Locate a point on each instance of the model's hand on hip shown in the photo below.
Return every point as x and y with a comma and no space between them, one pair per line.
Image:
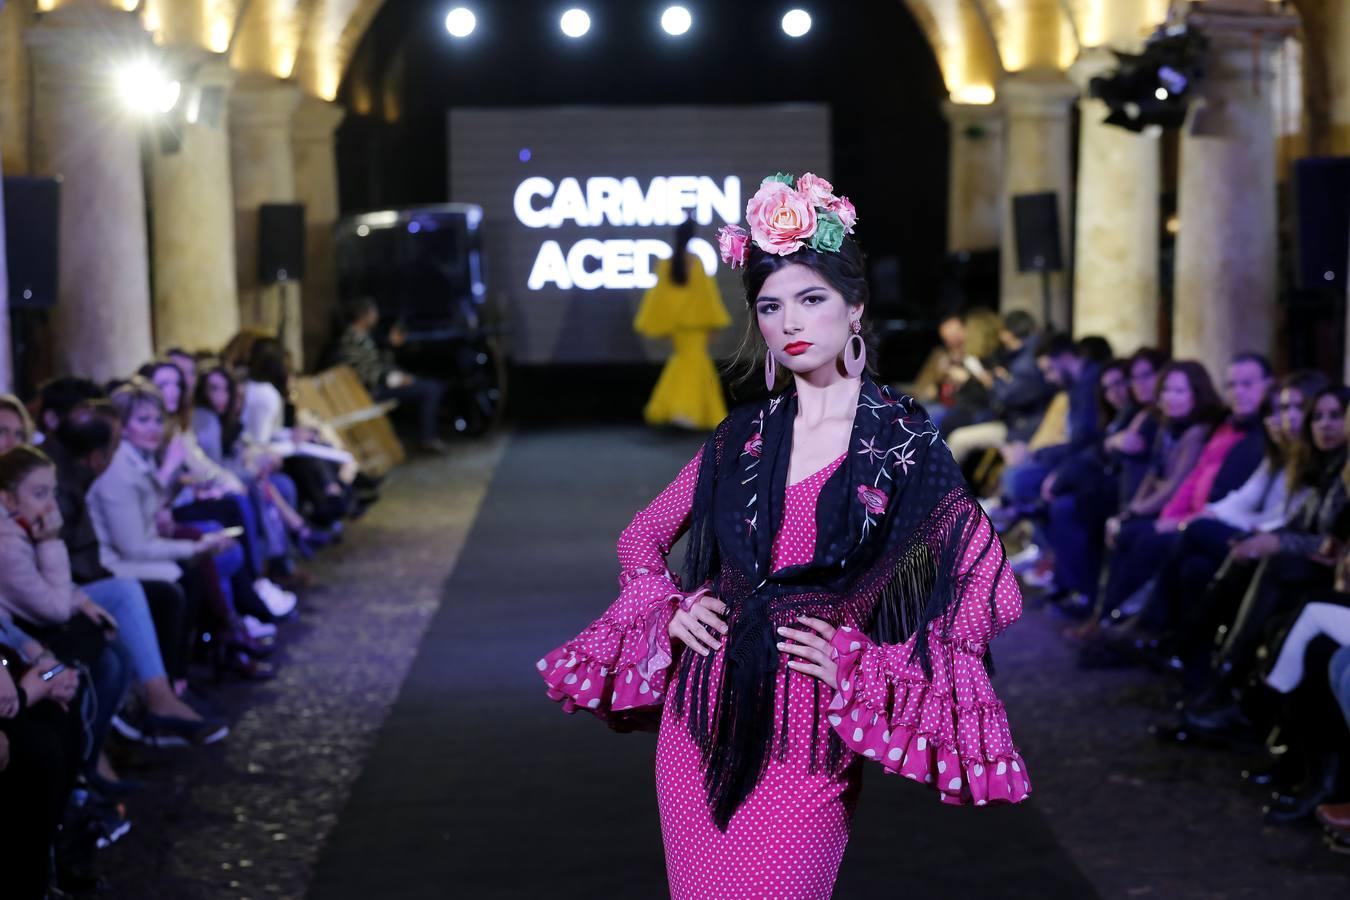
814,649
696,625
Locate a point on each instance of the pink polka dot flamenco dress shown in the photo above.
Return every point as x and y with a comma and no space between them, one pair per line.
938,724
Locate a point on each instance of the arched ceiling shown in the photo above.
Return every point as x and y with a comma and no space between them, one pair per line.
976,41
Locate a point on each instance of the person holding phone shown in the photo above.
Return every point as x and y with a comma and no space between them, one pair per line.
36,586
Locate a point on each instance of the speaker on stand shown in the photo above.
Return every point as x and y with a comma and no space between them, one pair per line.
32,211
1036,228
281,256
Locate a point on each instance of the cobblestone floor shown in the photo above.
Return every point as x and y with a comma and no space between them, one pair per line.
246,817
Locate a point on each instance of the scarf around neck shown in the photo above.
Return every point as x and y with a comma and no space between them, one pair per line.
894,521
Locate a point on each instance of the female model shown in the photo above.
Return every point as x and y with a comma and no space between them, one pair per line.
840,589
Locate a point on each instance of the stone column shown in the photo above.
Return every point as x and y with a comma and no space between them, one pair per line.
196,299
316,187
85,135
1115,291
264,172
15,16
6,363
1226,249
1037,160
974,199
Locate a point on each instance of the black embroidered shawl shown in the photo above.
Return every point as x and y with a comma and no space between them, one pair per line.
893,523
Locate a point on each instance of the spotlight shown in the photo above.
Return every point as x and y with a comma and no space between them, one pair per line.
1153,89
575,23
460,22
1161,93
676,20
144,88
796,22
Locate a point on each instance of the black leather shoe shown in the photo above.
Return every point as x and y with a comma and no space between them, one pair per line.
1319,788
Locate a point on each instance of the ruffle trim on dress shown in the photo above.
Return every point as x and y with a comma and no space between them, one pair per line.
963,771
632,672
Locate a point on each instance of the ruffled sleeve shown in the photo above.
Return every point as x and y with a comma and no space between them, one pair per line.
617,668
950,730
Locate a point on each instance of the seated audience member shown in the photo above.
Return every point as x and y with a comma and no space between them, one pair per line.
210,493
1266,576
1229,457
326,496
1017,388
1335,817
57,397
971,401
1190,409
934,386
40,738
15,425
125,504
36,587
382,378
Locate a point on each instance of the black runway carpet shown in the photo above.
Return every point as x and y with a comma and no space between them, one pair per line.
479,787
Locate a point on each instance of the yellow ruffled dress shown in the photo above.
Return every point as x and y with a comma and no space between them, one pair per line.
688,393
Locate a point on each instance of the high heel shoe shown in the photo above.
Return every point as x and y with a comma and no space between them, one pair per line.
236,662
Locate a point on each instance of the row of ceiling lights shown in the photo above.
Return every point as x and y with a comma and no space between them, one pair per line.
575,22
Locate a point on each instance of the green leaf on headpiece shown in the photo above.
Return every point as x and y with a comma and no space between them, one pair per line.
829,234
781,176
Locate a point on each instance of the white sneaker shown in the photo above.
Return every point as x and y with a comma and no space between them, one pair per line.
258,629
1023,561
279,602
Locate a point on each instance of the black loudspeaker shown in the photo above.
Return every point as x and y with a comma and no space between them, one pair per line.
1322,197
281,242
1036,224
32,226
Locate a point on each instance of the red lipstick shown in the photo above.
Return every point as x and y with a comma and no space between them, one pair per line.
797,348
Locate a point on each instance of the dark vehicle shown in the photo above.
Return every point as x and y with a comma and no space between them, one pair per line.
424,267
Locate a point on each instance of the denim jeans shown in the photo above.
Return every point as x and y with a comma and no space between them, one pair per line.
135,628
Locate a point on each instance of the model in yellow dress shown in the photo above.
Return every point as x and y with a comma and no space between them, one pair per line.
688,393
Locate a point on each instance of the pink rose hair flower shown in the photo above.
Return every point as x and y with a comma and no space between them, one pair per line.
733,244
843,208
781,219
816,189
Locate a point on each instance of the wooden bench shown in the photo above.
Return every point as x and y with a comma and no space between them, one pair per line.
338,399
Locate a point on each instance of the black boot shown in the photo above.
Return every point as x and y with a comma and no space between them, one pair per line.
1320,787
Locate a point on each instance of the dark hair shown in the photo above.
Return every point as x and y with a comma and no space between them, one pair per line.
229,420
679,259
267,362
1021,323
179,351
18,462
1105,412
181,415
358,308
844,270
1151,355
1307,382
1307,464
1208,408
1097,349
64,393
81,437
1256,359
1058,344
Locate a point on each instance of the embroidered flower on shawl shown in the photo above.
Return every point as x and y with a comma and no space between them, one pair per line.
755,445
904,460
870,449
872,498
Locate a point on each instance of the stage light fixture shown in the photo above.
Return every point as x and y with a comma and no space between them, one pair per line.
144,88
1161,93
460,22
1151,90
796,22
575,23
676,20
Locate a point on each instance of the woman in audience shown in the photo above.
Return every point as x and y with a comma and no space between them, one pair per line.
36,587
1190,408
211,493
40,738
216,420
126,503
16,427
264,419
